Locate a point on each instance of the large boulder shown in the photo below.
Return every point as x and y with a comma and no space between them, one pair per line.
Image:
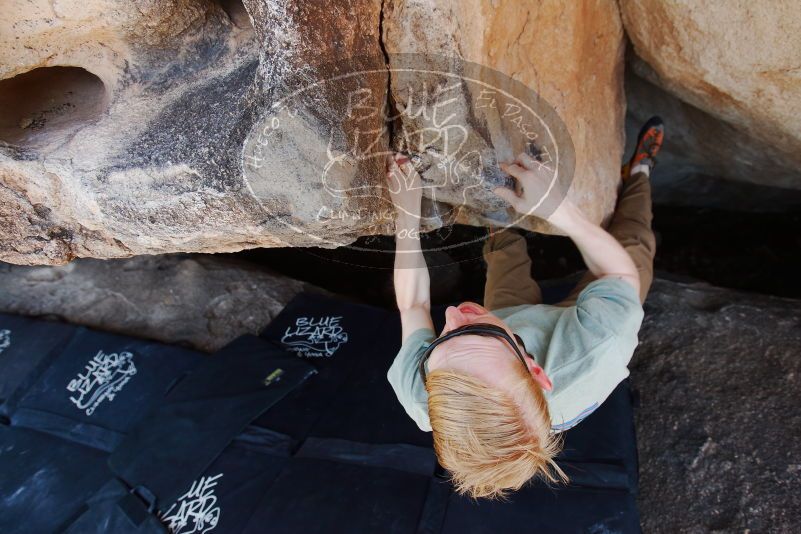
201,301
718,376
736,67
124,124
194,125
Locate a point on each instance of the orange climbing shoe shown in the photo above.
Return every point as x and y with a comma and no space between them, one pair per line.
649,141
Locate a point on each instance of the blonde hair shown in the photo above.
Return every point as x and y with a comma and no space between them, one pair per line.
491,441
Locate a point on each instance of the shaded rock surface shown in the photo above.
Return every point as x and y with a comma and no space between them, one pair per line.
706,162
718,423
149,127
201,301
736,66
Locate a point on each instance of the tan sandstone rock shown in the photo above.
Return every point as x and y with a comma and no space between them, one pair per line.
568,53
737,65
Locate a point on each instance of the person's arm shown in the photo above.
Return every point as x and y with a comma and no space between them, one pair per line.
412,289
602,253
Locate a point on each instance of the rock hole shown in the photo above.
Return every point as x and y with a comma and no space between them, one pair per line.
40,104
236,11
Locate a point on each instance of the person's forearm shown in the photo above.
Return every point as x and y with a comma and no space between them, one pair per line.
602,253
412,284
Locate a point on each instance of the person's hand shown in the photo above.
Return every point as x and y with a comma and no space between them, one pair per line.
532,180
405,188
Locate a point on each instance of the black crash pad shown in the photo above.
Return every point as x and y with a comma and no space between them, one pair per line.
166,462
25,346
352,347
44,480
99,385
355,402
336,453
53,447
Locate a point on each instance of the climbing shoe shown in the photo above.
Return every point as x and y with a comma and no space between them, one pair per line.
649,141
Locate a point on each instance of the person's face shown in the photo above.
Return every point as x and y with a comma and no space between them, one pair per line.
489,359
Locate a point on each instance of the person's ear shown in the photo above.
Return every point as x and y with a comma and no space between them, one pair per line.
539,375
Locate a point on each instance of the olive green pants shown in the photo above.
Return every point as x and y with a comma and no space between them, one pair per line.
509,281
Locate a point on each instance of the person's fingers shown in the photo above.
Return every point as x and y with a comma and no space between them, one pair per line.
514,169
395,159
509,196
527,161
394,177
408,173
392,167
401,175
